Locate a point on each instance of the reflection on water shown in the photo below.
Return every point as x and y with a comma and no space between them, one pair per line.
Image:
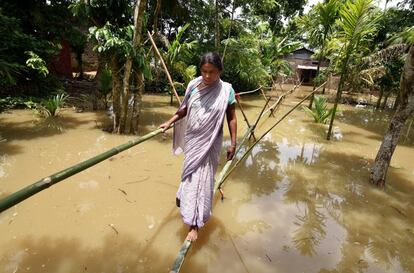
297,203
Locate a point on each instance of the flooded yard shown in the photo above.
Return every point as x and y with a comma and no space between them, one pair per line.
297,203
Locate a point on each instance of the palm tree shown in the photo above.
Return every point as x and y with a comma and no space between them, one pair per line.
357,24
319,24
404,111
321,112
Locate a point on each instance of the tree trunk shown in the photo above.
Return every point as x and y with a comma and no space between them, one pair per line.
404,111
136,109
327,84
217,26
233,9
101,66
155,30
156,13
80,64
385,100
124,98
396,102
314,85
116,90
344,71
318,67
380,98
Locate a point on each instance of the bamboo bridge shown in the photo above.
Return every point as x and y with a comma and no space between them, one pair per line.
228,168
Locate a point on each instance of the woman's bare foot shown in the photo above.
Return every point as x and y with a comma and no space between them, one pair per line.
192,234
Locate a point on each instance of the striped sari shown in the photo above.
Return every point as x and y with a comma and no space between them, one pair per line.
199,135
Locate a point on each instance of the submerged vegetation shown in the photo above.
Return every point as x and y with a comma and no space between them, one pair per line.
320,113
50,107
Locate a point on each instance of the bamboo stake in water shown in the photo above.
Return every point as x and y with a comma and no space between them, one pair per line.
165,68
48,181
245,117
266,98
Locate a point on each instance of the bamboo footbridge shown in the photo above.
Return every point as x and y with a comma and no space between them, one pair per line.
228,168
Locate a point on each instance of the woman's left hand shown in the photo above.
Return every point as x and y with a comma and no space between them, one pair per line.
230,152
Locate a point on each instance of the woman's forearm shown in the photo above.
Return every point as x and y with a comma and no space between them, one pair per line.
178,115
233,131
232,123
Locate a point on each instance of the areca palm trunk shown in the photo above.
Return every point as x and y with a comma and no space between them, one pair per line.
314,85
404,111
328,83
318,67
344,71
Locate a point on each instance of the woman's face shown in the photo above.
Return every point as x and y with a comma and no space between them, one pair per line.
209,73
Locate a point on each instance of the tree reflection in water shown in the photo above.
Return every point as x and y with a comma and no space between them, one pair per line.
327,185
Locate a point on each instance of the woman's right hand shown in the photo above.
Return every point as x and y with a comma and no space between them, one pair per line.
165,126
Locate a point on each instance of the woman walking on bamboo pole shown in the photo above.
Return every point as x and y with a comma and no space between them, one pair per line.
198,132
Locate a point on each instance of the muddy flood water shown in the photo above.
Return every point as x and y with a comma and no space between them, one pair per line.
297,203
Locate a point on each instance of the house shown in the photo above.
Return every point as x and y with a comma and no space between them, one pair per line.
303,65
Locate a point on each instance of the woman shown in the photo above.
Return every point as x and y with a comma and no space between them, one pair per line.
198,132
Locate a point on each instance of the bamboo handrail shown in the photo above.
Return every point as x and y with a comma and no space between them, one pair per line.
48,181
279,100
249,92
266,132
165,67
220,180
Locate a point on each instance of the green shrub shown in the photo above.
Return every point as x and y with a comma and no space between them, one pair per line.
50,107
320,113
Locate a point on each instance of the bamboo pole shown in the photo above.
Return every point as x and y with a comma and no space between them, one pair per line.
48,181
280,99
179,260
266,132
266,98
259,117
245,117
248,92
165,67
263,93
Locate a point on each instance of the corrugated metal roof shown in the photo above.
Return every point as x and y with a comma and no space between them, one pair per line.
307,67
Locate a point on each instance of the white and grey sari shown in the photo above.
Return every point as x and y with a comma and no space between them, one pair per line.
199,135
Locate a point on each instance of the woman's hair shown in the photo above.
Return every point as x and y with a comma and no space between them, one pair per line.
212,58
